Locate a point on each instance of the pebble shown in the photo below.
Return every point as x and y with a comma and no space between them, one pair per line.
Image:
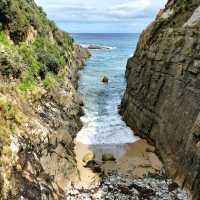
118,187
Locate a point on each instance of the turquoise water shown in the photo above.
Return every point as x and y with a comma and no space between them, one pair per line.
101,123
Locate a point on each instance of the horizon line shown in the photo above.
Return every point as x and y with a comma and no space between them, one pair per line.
103,33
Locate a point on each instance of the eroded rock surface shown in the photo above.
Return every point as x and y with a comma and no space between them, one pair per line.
39,107
162,99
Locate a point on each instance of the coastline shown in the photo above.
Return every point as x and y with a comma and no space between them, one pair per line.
136,159
136,174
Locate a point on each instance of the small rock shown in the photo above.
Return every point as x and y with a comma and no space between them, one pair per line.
81,103
125,190
74,192
92,164
98,195
105,188
173,186
105,79
92,191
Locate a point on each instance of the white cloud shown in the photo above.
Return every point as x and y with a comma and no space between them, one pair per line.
130,9
101,11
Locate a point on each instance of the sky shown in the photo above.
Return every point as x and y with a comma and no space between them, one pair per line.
102,16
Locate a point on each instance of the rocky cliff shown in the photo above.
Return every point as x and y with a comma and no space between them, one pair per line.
162,99
39,106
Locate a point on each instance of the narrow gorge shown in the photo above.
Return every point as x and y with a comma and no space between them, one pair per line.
73,127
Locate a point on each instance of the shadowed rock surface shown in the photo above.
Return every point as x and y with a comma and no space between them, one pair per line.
162,99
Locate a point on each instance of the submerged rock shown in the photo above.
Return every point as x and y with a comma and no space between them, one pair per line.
93,46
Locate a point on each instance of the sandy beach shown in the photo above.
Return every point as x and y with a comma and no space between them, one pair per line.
136,159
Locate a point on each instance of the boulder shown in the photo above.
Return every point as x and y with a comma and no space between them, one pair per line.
108,157
94,166
88,157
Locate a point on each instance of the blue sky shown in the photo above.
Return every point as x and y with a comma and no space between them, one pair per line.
102,16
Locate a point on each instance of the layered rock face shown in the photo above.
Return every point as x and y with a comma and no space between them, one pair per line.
39,105
162,99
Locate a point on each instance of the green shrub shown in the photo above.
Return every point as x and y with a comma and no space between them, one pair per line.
49,54
10,61
26,85
19,15
28,80
50,80
3,39
30,59
43,59
6,108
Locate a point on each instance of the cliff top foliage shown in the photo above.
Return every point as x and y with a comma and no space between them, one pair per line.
36,44
18,16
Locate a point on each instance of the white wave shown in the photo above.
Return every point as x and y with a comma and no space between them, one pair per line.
110,131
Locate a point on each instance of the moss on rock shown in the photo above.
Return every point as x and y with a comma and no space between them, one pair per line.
88,157
108,157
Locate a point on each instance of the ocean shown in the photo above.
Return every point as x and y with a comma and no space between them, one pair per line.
101,123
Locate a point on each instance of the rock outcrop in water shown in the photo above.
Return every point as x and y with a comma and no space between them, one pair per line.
162,99
39,106
105,79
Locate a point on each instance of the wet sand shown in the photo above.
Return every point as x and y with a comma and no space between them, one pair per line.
136,159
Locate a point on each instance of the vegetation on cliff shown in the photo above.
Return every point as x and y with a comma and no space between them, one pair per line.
39,107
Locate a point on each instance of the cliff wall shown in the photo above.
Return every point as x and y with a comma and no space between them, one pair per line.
39,105
162,99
